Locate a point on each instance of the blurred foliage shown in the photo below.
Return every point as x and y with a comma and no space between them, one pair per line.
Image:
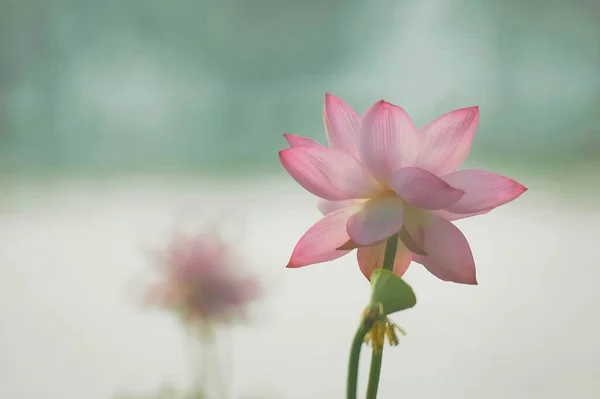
153,85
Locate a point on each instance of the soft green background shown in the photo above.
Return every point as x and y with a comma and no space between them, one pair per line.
138,85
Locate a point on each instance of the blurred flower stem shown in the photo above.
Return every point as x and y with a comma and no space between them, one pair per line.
192,350
207,377
371,316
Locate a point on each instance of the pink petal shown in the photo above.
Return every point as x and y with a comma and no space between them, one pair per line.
449,255
319,243
412,233
456,216
423,189
299,141
326,207
387,140
329,173
371,258
484,191
349,245
377,220
446,141
412,240
341,124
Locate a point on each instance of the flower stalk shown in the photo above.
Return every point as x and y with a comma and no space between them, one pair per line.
389,294
374,373
377,351
391,247
370,316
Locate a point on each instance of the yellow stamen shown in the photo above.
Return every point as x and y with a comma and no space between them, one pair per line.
381,329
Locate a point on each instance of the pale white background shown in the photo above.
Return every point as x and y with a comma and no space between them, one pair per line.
72,267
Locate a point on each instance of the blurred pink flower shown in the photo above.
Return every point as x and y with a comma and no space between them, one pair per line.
381,176
201,280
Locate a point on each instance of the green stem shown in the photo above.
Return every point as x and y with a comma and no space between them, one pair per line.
390,252
367,322
357,342
374,374
391,247
352,381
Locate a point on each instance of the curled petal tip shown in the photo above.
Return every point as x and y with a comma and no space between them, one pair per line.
281,154
330,97
523,188
475,109
294,262
387,104
468,280
384,104
462,280
348,246
520,190
300,141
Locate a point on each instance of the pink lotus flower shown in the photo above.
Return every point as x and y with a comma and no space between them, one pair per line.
381,176
201,280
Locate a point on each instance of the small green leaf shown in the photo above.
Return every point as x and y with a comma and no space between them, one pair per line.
391,292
